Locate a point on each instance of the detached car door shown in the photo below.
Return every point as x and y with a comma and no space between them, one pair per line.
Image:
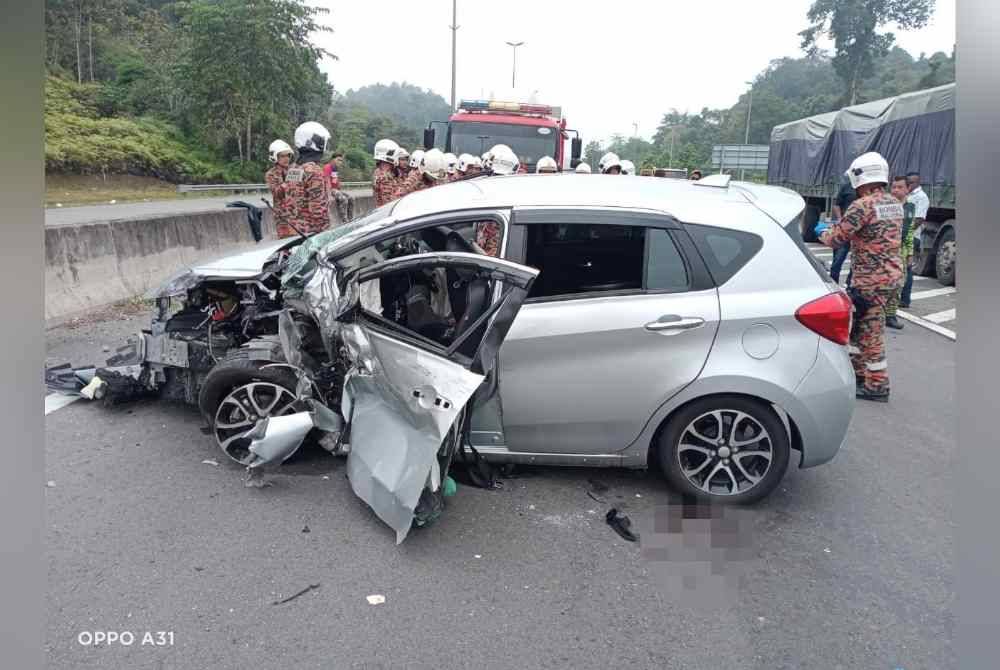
404,392
622,317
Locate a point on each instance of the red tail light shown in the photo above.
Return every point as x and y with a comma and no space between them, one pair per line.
830,316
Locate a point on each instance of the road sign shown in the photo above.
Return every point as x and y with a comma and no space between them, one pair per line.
740,156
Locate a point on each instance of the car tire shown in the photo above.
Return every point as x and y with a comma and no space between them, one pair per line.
923,263
236,369
755,475
945,261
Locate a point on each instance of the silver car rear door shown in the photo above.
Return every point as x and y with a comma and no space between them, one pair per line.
583,373
404,392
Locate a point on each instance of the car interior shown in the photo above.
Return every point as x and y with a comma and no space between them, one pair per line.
438,304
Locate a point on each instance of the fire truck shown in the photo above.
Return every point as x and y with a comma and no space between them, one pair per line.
530,130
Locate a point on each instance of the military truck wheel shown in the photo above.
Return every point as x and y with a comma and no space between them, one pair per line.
946,259
923,262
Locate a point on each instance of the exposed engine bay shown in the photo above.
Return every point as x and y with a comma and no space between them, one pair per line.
374,353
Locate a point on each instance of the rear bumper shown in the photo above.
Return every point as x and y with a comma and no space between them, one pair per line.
824,404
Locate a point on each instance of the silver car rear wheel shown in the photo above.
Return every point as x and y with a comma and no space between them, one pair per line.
725,452
728,449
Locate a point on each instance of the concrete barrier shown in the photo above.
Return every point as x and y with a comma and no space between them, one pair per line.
95,264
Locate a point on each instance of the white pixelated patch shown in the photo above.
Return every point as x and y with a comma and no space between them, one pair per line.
893,211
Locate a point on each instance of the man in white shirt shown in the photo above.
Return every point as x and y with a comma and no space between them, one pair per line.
921,203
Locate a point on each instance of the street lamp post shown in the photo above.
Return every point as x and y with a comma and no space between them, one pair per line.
513,71
746,138
454,34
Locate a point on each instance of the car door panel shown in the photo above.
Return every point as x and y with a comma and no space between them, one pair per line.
584,375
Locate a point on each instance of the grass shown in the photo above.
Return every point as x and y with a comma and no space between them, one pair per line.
73,190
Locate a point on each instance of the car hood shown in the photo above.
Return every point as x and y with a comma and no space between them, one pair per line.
246,265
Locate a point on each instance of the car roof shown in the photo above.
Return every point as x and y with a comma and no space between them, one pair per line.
683,199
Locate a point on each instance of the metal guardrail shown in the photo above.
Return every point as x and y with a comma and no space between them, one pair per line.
243,188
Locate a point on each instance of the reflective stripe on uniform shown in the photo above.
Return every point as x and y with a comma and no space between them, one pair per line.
881,365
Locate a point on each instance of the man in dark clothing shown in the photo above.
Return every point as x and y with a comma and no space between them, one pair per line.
845,197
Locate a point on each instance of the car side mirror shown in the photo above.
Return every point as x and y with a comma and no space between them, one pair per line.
428,139
576,151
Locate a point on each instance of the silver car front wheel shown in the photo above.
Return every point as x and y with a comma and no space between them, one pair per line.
241,410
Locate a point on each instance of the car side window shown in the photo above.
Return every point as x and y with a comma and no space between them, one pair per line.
665,267
585,258
725,251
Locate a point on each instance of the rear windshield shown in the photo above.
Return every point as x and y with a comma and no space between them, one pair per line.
794,230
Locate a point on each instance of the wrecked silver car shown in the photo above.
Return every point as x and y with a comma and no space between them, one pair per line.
375,348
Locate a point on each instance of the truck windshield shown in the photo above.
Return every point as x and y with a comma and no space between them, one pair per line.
529,142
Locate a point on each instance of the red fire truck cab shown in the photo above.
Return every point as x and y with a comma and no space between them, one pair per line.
531,130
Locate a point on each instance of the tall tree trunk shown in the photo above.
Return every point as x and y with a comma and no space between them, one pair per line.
79,27
90,45
249,144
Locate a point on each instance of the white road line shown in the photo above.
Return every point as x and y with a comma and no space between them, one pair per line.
933,293
941,317
929,325
54,401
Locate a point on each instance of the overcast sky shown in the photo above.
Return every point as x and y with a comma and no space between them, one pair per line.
608,64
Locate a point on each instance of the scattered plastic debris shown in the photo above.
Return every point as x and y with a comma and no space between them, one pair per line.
621,524
326,476
638,495
531,507
478,555
51,484
111,202
827,550
210,461
596,497
105,348
450,487
375,599
305,529
93,389
295,595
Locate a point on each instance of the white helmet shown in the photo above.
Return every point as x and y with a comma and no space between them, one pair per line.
416,157
583,168
433,164
451,163
465,161
402,157
503,160
628,167
546,164
478,162
277,148
486,159
869,168
608,161
311,136
385,151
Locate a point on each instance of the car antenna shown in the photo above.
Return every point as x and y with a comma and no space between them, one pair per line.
290,224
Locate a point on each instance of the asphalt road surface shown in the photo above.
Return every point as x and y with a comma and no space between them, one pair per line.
66,216
846,566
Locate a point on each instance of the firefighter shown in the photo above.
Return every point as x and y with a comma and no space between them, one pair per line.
546,165
402,163
583,168
610,164
431,172
503,160
628,168
872,225
487,157
306,186
384,180
451,166
465,161
281,154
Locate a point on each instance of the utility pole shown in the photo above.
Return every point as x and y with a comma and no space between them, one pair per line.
513,72
746,139
454,35
673,133
635,129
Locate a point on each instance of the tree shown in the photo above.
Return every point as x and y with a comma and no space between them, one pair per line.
250,62
592,154
853,25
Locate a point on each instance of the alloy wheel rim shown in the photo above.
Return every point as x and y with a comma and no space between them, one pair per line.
242,410
725,452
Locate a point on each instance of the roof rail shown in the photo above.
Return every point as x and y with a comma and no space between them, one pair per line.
715,180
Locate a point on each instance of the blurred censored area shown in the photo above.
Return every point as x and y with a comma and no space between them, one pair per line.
701,554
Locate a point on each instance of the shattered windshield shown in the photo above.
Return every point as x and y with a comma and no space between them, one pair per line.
299,263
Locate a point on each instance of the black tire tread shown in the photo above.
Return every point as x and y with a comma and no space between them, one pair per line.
235,369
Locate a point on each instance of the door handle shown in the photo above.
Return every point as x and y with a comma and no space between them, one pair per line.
673,322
